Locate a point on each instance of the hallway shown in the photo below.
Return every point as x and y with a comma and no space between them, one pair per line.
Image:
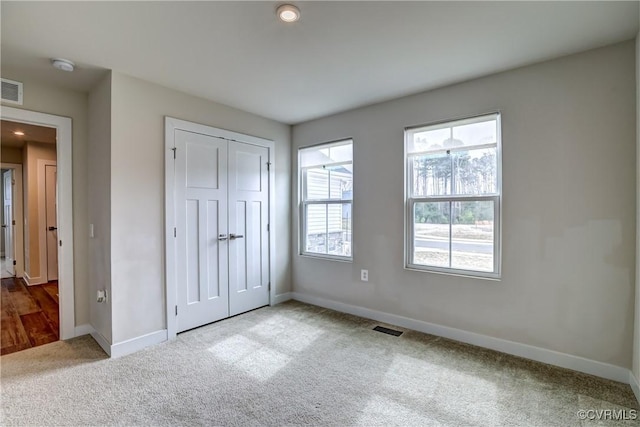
29,315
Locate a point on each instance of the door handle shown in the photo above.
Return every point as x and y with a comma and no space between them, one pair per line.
53,228
4,225
222,237
235,236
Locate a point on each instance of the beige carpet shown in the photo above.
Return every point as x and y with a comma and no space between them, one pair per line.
296,364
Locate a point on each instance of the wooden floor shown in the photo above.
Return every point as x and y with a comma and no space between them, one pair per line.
29,315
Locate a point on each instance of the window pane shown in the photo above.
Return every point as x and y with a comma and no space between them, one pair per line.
329,229
316,220
475,133
431,234
341,153
429,141
475,172
432,175
314,157
339,232
325,184
317,184
341,184
472,235
327,154
460,133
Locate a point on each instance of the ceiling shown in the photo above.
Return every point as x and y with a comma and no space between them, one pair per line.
339,56
32,133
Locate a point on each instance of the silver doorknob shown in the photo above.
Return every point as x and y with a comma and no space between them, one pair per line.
235,236
222,237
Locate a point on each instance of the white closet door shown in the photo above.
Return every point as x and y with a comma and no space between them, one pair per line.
201,229
248,233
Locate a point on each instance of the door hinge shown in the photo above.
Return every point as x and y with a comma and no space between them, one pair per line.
269,286
176,310
268,228
14,262
268,166
13,222
60,242
174,149
175,232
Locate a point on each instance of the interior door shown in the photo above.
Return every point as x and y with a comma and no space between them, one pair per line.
248,227
7,226
201,229
51,208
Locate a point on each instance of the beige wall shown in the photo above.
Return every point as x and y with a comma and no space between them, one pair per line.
568,235
99,200
137,194
33,152
11,155
45,98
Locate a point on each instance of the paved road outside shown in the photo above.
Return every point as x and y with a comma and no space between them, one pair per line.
456,246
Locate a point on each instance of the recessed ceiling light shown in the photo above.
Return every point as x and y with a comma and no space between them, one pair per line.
19,133
288,13
63,64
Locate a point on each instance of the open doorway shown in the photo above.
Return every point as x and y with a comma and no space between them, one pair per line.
30,292
11,218
63,207
7,267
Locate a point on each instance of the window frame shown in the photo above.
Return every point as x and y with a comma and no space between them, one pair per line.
304,204
410,200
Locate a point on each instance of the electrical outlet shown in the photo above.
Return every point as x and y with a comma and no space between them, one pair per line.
102,295
364,275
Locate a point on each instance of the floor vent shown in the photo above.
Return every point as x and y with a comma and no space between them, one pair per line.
388,331
11,91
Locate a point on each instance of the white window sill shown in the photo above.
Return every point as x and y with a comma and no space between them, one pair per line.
457,273
327,257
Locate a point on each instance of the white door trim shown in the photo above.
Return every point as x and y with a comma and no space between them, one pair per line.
65,207
18,232
171,125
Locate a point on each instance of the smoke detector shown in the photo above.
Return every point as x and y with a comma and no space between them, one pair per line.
63,64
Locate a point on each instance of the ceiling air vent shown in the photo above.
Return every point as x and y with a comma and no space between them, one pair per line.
11,91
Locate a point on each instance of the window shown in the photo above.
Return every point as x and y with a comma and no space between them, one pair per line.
453,191
326,174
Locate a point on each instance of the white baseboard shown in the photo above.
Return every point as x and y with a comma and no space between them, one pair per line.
635,385
81,330
563,360
130,346
102,341
282,298
30,281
